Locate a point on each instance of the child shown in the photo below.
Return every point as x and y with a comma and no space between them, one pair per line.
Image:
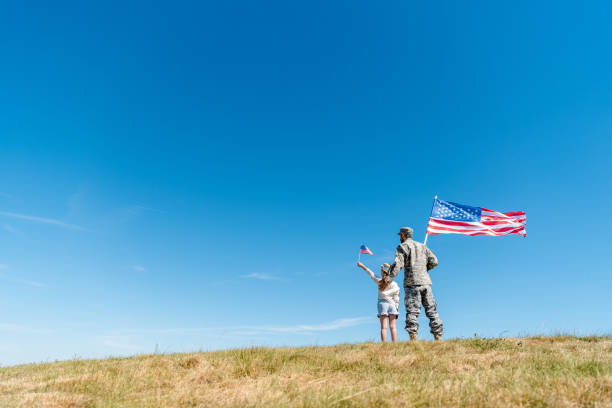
388,301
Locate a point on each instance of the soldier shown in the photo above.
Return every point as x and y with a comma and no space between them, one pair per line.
417,260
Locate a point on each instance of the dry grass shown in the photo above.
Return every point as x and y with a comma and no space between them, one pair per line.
536,371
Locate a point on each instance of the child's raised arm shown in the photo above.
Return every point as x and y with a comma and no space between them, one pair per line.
369,272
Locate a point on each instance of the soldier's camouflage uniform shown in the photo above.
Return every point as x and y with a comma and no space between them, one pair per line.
417,260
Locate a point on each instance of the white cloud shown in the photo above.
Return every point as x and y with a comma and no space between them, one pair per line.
23,281
137,210
41,220
10,229
120,342
261,276
333,325
143,208
139,268
15,328
6,278
30,283
237,330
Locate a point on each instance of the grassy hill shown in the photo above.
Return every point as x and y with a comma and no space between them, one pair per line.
535,371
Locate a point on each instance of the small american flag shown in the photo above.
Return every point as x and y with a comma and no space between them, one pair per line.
365,250
453,218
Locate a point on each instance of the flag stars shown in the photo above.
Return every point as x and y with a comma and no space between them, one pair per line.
455,212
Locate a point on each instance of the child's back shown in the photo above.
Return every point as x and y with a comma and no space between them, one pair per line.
390,293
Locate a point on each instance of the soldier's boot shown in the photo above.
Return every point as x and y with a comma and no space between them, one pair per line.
437,337
412,336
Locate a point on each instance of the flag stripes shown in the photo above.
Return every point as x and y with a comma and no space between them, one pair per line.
489,222
365,250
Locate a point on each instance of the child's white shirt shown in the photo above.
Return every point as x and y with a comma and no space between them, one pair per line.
391,292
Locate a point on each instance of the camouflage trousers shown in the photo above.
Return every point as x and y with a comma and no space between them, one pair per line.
414,297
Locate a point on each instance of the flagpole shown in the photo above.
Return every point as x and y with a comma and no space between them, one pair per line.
427,233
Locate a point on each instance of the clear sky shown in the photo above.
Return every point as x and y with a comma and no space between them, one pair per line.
199,175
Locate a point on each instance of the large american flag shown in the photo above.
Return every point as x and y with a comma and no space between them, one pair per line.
453,218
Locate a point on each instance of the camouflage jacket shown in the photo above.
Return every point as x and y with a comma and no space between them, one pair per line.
416,259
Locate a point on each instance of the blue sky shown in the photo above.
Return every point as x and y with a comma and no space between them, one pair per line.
200,175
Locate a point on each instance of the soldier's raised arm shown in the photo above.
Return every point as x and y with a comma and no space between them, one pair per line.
397,266
432,260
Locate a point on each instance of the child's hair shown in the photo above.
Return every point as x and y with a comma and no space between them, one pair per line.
385,270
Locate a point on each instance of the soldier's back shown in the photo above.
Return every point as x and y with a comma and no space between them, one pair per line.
416,263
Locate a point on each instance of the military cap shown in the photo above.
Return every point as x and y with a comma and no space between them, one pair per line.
406,230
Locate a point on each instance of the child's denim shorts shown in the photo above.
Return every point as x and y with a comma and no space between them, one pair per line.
386,309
